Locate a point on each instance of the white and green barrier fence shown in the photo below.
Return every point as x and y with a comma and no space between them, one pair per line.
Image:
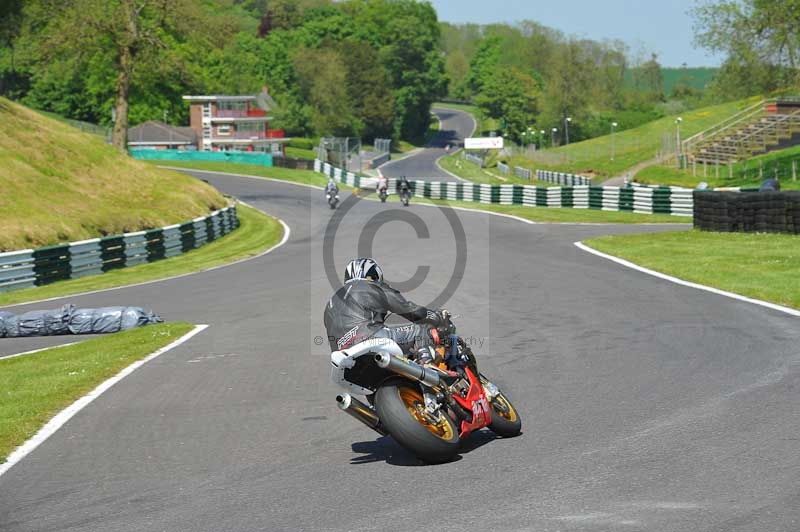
561,178
644,200
36,267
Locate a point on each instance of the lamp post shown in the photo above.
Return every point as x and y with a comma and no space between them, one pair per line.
567,120
678,134
553,136
524,139
613,125
541,138
529,136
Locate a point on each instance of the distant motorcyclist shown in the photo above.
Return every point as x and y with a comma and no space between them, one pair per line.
383,184
357,310
402,185
332,187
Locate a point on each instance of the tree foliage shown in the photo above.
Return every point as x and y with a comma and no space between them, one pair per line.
369,68
761,41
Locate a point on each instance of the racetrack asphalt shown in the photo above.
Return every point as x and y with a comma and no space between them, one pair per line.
646,405
455,125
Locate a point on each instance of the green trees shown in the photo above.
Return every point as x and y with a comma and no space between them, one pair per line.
358,67
90,59
368,68
760,38
530,76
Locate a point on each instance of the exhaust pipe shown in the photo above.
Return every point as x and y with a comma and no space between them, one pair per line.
360,411
407,368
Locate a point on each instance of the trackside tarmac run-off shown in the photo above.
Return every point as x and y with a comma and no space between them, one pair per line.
647,405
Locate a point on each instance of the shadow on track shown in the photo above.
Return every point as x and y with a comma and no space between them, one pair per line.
387,450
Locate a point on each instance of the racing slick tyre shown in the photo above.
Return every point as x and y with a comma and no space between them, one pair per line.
401,408
506,422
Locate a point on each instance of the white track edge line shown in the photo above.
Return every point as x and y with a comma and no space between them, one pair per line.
676,280
62,417
13,355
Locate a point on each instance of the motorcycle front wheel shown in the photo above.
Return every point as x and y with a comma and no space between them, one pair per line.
506,422
401,408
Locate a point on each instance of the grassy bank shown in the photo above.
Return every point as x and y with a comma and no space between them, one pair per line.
613,154
257,233
750,173
308,177
62,185
37,386
761,266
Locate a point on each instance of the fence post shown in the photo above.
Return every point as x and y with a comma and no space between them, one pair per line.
730,169
760,169
794,169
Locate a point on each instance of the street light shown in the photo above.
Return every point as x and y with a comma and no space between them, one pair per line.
553,136
613,125
528,137
541,138
567,120
678,134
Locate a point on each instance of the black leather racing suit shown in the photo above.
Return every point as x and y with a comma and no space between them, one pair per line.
357,311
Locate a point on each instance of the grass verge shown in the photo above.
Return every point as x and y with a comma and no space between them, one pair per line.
309,177
257,233
562,215
758,265
38,386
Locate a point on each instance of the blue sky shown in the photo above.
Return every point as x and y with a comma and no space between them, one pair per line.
660,26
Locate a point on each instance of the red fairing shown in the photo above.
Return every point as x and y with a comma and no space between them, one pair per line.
475,402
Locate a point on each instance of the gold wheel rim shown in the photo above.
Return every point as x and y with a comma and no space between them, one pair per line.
503,408
415,403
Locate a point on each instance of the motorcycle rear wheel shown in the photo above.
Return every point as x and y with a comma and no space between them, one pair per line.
401,406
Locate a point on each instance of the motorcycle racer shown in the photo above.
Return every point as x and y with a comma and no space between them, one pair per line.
332,187
357,311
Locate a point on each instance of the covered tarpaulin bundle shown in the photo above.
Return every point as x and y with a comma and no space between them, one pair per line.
71,320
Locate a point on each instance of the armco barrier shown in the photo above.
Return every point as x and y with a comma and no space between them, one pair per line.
560,178
646,200
37,267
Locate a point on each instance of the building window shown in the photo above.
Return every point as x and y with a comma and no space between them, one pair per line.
224,130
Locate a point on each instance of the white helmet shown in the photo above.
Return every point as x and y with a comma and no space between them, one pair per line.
363,268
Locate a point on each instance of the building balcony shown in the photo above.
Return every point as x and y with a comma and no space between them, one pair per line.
251,135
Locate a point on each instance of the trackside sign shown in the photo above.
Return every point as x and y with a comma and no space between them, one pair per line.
483,143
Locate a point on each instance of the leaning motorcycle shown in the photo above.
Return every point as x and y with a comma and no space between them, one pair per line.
429,410
405,195
382,194
333,200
